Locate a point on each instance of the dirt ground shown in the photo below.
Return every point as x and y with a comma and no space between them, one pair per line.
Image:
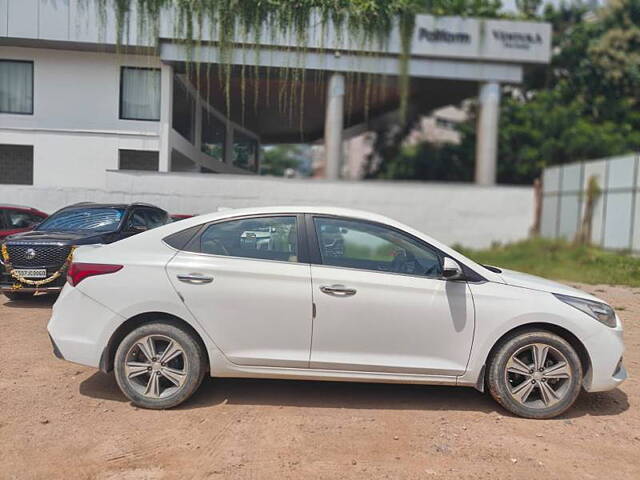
59,420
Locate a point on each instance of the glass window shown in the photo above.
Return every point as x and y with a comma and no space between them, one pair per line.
139,160
146,218
16,87
16,164
268,238
245,151
20,219
140,94
365,246
98,219
156,218
184,111
214,131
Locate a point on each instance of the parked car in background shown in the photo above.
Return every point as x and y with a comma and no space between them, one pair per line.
39,258
175,217
242,293
16,219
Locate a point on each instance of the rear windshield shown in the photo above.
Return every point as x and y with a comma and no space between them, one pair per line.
95,219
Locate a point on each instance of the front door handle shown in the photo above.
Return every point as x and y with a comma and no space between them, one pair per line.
194,278
338,290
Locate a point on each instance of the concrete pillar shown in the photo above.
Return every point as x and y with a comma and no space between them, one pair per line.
197,137
487,133
228,144
166,116
333,126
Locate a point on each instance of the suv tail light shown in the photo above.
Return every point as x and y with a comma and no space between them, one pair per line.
79,271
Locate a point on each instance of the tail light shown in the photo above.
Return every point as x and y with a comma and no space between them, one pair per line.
79,271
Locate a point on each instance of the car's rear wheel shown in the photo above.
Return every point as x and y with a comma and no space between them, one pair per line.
159,365
535,374
17,296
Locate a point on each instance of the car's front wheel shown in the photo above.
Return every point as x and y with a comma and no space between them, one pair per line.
159,365
535,374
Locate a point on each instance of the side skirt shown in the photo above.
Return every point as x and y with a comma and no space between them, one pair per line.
236,371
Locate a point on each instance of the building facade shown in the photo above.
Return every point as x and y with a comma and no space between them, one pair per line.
74,106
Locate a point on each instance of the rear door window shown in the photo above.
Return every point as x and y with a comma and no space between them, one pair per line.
265,238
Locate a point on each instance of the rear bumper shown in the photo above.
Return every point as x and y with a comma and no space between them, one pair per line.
56,350
80,327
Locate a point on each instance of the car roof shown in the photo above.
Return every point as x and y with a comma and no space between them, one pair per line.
142,240
22,207
109,205
292,209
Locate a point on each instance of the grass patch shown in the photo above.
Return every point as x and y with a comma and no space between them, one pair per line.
562,260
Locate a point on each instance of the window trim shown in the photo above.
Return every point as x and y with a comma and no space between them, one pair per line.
33,88
120,100
193,245
316,258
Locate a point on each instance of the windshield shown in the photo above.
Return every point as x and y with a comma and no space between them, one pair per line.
96,219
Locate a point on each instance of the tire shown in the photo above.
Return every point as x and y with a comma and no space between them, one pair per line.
18,296
154,383
516,382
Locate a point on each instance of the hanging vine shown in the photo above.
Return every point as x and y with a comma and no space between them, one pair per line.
243,22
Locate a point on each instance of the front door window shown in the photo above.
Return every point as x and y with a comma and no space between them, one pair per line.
367,246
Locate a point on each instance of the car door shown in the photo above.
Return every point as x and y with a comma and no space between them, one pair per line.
381,304
246,281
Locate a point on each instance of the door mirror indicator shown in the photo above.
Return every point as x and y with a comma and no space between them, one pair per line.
451,270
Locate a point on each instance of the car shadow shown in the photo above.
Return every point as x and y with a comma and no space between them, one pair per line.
37,301
599,404
102,386
320,394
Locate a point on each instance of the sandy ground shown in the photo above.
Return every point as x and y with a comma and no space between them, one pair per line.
59,420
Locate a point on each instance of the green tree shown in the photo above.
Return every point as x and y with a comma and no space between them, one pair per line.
279,158
584,105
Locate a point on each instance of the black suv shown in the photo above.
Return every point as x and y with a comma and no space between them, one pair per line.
42,253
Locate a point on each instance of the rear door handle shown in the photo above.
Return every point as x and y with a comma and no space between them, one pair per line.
338,290
194,278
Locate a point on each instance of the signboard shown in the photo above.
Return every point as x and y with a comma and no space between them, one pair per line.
500,40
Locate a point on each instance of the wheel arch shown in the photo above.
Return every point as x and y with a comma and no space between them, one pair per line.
129,325
562,332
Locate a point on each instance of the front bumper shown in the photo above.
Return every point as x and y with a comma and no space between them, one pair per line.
605,351
7,288
7,283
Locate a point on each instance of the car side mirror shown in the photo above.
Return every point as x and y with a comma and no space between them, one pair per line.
451,270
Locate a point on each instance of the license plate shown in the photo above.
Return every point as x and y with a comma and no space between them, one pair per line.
31,272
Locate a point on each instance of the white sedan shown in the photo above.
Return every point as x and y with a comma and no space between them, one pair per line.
327,294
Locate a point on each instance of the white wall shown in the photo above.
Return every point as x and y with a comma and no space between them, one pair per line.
75,128
453,213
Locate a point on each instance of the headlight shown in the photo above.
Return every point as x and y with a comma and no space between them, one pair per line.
597,310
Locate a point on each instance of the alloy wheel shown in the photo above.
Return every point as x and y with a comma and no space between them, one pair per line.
538,376
156,366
